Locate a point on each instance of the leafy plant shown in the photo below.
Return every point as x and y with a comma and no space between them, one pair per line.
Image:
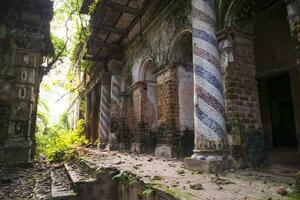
57,144
93,6
125,178
149,192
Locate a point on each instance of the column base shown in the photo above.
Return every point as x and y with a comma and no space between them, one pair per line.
208,164
102,145
15,152
135,148
163,150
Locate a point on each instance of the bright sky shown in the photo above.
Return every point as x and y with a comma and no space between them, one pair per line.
60,74
51,97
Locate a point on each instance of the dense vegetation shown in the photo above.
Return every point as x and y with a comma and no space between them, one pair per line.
69,31
56,142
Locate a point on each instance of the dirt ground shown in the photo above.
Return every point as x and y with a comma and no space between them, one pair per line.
19,182
232,184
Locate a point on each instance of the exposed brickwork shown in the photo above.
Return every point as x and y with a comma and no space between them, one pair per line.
242,103
168,108
139,94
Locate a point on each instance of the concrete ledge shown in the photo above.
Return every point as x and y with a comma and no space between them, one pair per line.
208,166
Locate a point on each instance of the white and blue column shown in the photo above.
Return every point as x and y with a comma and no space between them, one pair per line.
209,101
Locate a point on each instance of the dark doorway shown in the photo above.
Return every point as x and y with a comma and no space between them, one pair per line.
281,111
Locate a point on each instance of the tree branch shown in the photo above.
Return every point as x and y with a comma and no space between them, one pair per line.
50,65
73,90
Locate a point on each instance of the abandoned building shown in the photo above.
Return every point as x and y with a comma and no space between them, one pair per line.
181,99
193,79
24,41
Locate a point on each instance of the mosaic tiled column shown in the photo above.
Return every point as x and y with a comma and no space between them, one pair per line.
115,111
293,12
210,127
115,88
105,114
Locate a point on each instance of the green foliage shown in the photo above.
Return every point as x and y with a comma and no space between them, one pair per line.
63,120
149,192
59,46
125,178
93,6
57,144
42,116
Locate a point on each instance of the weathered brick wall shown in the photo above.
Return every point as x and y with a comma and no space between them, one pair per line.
295,88
168,108
241,93
139,94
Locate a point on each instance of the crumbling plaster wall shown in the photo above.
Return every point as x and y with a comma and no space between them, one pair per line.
154,44
156,41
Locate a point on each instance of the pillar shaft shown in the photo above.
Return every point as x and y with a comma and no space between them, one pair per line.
115,88
209,102
105,114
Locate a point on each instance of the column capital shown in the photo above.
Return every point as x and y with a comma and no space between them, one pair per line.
115,66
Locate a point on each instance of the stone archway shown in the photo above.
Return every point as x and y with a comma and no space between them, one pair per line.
149,106
181,58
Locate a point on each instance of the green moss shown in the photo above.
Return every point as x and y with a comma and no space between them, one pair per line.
157,178
293,197
197,171
175,192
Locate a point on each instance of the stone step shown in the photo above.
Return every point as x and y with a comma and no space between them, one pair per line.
79,173
61,185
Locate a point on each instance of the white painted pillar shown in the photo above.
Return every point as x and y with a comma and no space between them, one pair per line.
209,101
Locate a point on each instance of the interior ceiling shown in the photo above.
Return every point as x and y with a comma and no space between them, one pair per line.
110,24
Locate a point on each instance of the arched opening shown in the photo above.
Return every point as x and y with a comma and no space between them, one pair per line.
148,77
181,56
181,51
275,60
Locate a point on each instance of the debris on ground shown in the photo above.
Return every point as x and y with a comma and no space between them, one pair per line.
25,182
197,186
282,191
221,181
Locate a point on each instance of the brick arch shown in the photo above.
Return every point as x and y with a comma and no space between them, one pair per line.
147,69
